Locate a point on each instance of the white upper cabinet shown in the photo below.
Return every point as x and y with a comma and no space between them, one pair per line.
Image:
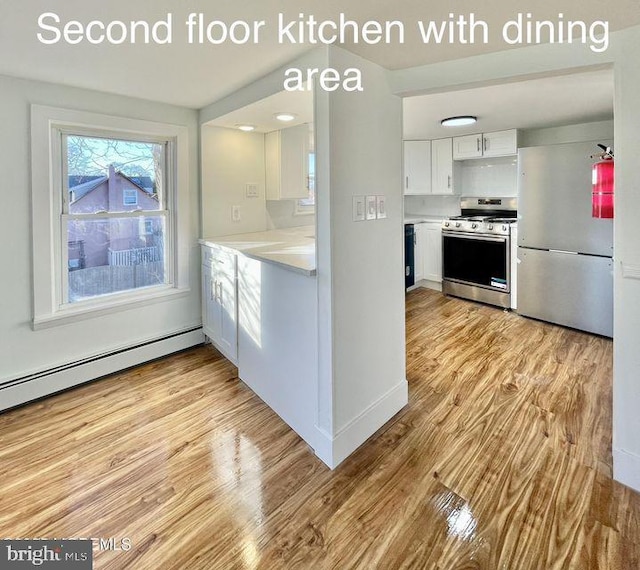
287,163
498,143
469,146
442,166
428,167
417,167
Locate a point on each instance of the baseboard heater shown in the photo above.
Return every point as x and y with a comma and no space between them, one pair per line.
19,391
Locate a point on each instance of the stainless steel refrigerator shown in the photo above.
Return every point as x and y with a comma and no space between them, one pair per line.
565,256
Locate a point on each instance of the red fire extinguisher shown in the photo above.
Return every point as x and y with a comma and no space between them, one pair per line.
602,180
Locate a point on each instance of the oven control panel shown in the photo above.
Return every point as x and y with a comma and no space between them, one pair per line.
477,226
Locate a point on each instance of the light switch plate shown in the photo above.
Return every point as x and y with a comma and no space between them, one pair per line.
251,190
371,212
358,208
381,207
235,213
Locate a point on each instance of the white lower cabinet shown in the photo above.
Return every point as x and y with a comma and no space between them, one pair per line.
428,253
419,251
219,300
433,252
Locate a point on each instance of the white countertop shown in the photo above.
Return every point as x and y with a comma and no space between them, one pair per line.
292,248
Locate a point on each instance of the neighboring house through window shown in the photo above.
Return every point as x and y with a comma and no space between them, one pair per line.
110,201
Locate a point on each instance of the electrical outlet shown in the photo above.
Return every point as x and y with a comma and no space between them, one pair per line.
251,190
358,208
381,207
372,208
235,213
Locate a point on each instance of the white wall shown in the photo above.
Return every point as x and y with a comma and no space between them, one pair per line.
22,350
231,159
368,338
567,134
523,63
626,318
361,351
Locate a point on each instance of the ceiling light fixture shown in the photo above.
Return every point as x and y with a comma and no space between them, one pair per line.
458,121
285,117
246,128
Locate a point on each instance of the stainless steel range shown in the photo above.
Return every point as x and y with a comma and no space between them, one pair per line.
476,250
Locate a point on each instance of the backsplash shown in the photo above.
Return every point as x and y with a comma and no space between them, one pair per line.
432,205
489,177
281,214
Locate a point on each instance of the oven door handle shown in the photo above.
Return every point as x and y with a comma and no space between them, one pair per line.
475,236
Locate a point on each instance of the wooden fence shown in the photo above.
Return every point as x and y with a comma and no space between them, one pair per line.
93,281
134,256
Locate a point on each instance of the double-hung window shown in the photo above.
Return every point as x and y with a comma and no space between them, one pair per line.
105,195
116,215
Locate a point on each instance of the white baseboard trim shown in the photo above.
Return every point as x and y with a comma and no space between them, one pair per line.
45,384
435,285
626,468
365,424
324,447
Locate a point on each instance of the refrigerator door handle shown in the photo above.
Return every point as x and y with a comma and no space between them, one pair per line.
563,251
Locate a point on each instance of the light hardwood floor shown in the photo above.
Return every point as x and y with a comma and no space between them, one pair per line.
502,460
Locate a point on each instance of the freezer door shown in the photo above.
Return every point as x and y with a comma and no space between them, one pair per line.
554,200
571,290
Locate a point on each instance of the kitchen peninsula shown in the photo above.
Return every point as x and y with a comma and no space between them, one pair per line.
260,310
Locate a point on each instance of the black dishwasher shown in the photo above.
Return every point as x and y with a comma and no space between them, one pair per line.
409,252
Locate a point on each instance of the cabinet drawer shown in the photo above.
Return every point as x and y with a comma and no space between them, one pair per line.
212,255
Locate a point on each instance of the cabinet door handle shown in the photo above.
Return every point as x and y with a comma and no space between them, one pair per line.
478,144
449,181
212,289
486,144
220,292
406,182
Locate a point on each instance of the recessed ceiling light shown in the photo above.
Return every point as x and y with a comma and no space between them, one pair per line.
246,128
285,117
458,121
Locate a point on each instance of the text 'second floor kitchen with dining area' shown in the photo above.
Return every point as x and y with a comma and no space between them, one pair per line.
501,460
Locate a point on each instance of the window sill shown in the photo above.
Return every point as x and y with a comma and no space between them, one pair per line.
90,309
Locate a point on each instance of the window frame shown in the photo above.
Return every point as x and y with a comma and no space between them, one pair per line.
50,271
307,209
129,192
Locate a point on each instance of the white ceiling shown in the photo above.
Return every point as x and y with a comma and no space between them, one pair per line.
261,114
547,102
194,76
